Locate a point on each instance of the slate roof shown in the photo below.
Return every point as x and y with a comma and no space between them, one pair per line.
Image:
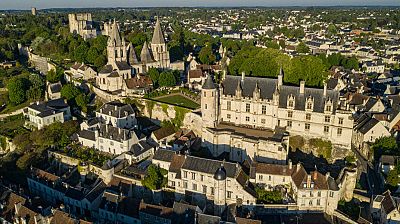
116,109
106,69
388,203
158,36
55,87
87,134
50,107
118,134
267,88
96,191
164,155
210,166
209,83
365,124
132,58
145,55
122,65
141,147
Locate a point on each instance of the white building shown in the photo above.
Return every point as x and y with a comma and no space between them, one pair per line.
41,114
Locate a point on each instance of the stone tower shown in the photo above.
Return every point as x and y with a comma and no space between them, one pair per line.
116,46
209,103
348,179
220,190
159,47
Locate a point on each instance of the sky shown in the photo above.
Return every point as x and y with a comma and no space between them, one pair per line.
40,4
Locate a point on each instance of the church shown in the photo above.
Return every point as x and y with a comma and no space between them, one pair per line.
250,117
124,67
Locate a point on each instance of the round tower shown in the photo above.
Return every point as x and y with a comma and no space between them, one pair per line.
209,103
220,190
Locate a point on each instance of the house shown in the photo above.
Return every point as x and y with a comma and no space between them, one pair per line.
53,91
387,163
368,129
116,208
41,114
385,208
82,71
163,135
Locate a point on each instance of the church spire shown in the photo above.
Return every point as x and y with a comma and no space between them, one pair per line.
158,36
145,55
115,38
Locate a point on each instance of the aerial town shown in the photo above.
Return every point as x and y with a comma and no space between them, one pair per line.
200,115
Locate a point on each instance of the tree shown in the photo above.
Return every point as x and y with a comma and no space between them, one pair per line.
302,48
92,55
81,52
269,197
81,101
206,55
385,146
393,178
17,88
154,75
167,78
69,91
351,63
155,178
54,76
100,61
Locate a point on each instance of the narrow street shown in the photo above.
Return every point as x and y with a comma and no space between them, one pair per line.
375,185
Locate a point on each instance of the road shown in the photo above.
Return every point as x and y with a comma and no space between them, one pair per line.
375,185
12,113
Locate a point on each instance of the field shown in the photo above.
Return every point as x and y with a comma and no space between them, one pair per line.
178,100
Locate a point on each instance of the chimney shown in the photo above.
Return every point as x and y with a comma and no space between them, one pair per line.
315,175
325,88
308,181
243,74
290,164
280,80
327,175
302,86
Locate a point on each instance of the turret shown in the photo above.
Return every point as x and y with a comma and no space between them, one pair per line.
209,103
159,47
220,190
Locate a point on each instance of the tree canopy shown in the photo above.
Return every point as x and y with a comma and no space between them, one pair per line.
155,178
267,62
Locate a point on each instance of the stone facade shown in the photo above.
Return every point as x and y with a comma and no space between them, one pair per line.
267,103
82,24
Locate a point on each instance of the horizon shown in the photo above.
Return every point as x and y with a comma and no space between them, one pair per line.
101,4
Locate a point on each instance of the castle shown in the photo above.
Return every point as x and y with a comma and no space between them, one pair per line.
122,62
82,24
263,105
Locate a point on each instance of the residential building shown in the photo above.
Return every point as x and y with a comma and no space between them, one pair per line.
41,114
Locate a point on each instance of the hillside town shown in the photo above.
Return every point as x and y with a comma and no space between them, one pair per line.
200,115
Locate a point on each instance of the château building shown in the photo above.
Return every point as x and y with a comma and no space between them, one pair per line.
266,104
123,66
82,24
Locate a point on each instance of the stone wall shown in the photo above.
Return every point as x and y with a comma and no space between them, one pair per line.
160,111
6,145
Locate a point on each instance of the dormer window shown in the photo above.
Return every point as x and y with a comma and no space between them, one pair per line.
290,102
309,103
328,105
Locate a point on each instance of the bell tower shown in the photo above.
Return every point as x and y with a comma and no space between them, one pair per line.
209,103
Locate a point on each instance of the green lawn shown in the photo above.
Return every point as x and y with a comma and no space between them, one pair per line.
179,101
